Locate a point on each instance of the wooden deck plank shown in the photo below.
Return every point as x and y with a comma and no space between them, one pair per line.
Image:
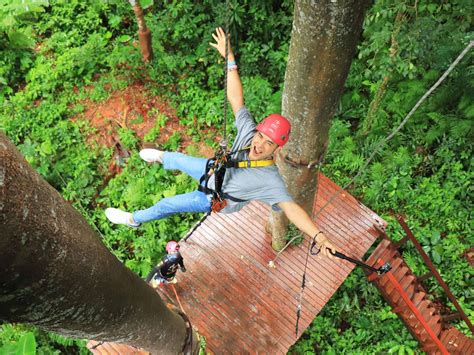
276,307
268,306
288,283
228,296
296,261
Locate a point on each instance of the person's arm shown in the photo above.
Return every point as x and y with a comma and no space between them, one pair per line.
154,271
181,264
298,216
235,92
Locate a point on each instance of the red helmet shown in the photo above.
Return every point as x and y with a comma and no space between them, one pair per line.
276,127
172,246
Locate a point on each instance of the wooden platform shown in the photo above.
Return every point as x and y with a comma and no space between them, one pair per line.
238,302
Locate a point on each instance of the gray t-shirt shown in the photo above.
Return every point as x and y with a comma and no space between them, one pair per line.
262,184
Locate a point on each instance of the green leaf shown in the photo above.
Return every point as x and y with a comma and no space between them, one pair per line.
124,38
114,21
170,192
7,21
46,147
20,40
435,237
146,4
8,349
432,7
26,345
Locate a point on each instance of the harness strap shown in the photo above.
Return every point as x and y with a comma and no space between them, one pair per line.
222,195
249,163
218,170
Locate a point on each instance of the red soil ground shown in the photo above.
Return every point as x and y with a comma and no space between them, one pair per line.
134,108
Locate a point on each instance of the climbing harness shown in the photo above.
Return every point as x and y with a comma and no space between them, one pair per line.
217,166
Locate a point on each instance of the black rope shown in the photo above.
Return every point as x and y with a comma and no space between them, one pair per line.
96,345
226,63
311,245
203,218
303,284
188,344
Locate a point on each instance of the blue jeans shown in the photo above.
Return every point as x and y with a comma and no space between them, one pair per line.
196,201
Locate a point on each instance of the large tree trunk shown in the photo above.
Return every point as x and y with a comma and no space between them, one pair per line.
323,43
57,274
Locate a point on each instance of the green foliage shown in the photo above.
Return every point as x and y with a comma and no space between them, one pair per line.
26,340
24,344
160,122
17,41
141,185
182,31
55,55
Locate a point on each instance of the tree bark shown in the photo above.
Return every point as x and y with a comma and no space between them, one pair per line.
323,42
144,33
58,275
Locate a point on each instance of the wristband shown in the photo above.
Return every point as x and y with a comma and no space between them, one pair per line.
231,63
232,68
315,244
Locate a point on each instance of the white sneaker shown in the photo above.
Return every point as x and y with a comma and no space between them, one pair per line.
156,281
117,216
151,155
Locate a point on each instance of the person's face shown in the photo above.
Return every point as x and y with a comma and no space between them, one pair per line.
262,147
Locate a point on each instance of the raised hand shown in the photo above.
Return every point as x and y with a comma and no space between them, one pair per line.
219,37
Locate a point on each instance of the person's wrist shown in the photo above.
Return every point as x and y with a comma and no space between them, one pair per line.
321,238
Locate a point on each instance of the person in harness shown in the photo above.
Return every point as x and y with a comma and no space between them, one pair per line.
249,173
165,271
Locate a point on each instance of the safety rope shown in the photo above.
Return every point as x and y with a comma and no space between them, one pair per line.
226,63
303,284
223,143
177,298
310,245
198,223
